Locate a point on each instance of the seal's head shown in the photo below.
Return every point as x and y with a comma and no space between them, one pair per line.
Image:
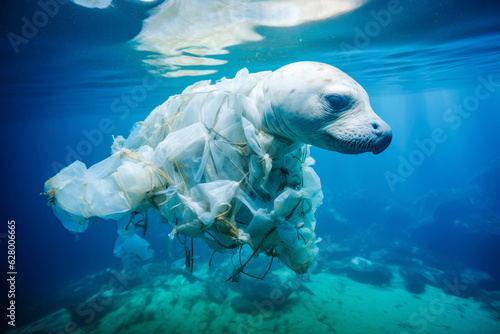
317,104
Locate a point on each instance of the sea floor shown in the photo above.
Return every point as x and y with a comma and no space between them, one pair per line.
170,304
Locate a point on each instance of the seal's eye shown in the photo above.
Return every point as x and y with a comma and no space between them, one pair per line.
339,102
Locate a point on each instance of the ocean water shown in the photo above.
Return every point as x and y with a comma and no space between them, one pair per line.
412,235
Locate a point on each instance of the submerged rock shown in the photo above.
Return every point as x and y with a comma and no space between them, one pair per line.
365,271
217,293
414,281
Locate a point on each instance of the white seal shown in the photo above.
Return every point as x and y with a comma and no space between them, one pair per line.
228,163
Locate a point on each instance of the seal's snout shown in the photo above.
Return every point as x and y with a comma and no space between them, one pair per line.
380,128
384,133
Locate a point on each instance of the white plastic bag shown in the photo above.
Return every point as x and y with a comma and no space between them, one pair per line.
203,162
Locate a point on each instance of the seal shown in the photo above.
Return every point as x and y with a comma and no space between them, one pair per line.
318,104
228,163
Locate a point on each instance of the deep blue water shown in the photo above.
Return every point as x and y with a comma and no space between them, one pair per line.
440,195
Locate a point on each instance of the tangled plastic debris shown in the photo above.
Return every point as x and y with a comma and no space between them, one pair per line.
203,164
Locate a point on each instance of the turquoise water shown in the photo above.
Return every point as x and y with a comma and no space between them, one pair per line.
428,204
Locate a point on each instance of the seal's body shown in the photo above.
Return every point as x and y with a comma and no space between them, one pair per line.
227,162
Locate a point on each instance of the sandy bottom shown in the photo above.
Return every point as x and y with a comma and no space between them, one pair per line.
170,304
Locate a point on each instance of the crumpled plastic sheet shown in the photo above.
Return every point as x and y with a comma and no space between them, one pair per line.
203,162
133,250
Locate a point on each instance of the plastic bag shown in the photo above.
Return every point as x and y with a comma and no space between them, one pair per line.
203,163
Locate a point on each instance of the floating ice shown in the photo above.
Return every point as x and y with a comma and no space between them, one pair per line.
184,32
101,4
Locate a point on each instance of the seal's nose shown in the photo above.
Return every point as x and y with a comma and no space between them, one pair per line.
384,133
379,127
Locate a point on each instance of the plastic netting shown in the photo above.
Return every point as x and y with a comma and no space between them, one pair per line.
203,162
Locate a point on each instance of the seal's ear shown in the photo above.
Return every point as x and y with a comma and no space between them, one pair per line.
339,102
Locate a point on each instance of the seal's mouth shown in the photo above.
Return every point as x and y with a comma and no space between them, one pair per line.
353,146
383,143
